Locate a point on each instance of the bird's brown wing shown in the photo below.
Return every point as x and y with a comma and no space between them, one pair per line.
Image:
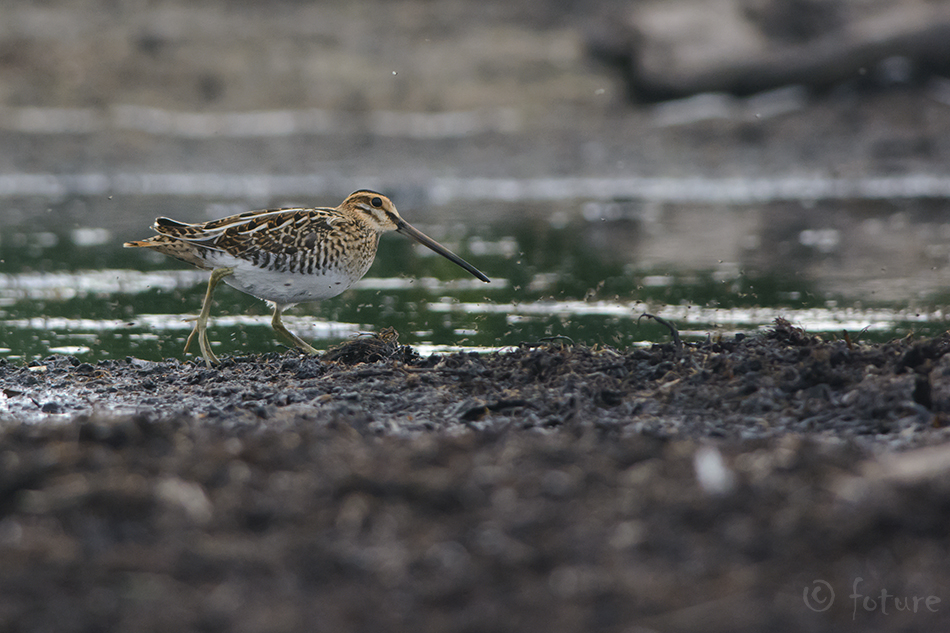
274,231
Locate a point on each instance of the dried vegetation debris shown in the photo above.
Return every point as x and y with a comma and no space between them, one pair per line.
552,486
781,381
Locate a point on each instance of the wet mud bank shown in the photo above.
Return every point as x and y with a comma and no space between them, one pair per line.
759,483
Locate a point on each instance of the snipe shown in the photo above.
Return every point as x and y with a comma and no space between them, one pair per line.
287,256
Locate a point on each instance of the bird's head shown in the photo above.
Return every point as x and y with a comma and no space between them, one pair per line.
375,209
380,213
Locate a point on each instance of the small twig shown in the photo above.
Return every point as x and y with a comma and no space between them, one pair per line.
672,328
557,337
549,339
452,371
863,331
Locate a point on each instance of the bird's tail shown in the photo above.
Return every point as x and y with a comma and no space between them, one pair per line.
149,243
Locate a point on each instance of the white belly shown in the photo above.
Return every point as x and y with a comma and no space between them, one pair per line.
283,288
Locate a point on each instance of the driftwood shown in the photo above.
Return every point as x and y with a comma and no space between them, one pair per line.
669,50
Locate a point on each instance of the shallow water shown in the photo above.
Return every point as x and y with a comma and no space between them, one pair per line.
579,267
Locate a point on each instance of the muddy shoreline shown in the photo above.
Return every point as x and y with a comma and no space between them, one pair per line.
552,485
742,388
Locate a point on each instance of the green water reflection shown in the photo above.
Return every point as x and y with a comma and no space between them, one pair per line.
530,262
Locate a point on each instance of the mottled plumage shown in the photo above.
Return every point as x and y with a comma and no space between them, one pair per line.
287,256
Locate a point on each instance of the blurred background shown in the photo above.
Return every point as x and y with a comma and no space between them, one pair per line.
719,162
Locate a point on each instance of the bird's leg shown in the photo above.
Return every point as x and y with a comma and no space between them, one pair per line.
278,326
201,323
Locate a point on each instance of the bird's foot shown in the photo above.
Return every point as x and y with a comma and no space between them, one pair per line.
201,329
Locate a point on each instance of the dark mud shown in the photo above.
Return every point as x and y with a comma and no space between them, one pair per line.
777,482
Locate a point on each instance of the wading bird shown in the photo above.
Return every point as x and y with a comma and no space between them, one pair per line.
287,256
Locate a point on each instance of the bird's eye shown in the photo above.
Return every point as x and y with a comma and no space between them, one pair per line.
377,202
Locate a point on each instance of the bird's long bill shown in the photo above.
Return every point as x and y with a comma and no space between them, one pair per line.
410,231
